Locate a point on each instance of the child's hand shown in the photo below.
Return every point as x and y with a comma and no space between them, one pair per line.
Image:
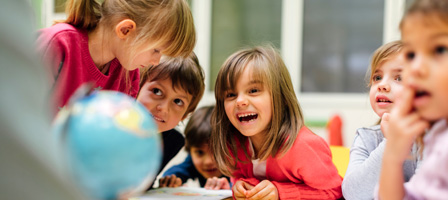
240,189
170,181
402,126
264,190
217,184
385,124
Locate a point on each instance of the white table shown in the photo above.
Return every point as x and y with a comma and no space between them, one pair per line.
185,193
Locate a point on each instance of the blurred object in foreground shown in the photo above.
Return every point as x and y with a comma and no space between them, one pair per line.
30,166
111,142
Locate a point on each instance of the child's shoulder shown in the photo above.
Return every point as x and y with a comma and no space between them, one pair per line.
306,145
58,28
305,134
306,138
370,133
60,31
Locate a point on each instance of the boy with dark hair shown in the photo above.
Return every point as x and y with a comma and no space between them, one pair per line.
199,162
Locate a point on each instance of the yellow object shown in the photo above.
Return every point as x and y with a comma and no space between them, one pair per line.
341,156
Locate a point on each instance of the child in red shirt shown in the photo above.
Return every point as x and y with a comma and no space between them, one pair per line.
259,138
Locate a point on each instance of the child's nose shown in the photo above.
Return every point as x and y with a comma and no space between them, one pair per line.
161,107
385,87
241,101
419,67
155,59
208,160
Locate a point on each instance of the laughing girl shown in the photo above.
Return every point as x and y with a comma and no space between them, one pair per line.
259,137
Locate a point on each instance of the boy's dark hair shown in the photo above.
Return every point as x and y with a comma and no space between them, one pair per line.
198,129
185,73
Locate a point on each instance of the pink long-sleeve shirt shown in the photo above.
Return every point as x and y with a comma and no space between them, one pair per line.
66,48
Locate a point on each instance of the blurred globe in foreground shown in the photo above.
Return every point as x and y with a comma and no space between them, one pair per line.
111,143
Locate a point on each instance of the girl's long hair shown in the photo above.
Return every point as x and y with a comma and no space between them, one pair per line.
159,22
268,67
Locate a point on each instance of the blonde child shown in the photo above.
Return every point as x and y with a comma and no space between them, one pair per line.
171,91
423,102
108,43
199,162
259,138
366,153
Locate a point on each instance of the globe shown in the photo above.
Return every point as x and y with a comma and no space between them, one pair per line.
111,143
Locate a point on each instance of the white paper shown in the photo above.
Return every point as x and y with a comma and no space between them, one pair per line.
184,193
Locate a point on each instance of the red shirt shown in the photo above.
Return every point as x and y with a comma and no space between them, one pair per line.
306,171
63,43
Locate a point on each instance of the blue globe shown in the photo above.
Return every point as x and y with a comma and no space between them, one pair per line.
112,145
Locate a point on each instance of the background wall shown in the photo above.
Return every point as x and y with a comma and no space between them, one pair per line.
325,44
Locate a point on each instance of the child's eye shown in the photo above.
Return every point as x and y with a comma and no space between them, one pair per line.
410,55
199,153
441,50
157,91
178,102
376,78
254,90
398,78
230,95
156,51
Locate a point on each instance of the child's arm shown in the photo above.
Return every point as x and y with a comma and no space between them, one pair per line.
364,168
290,190
309,167
401,128
241,178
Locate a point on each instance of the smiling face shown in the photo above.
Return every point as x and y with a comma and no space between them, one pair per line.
203,161
166,104
425,39
385,85
249,106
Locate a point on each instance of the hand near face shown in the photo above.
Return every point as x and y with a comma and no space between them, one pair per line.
216,183
240,189
402,126
385,120
170,181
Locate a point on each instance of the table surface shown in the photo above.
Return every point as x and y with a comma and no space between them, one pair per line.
185,193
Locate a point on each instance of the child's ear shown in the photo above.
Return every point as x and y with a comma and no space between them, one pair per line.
124,28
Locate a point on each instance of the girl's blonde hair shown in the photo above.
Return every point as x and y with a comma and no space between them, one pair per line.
167,23
268,67
381,55
185,73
